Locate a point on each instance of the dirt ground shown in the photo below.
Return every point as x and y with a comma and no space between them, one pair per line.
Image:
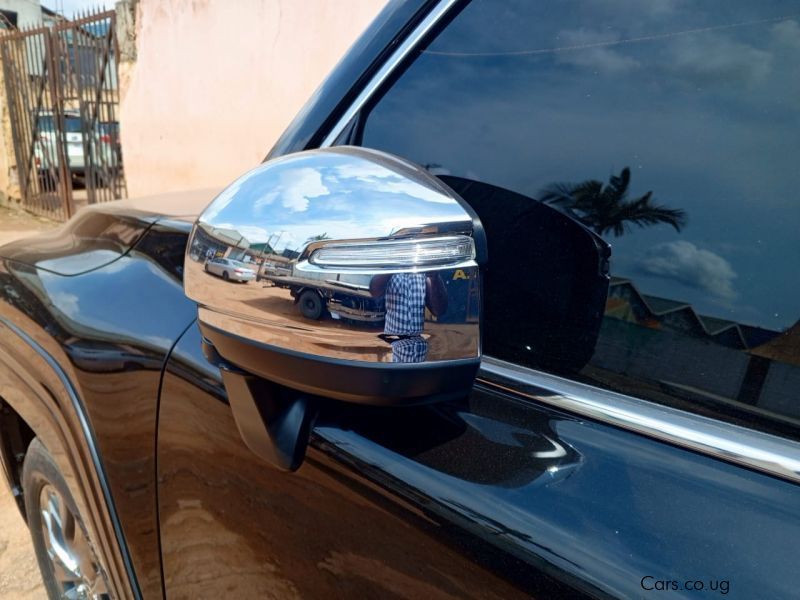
19,573
16,224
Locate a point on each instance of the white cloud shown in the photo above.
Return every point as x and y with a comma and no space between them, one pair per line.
710,58
639,9
66,303
595,51
686,263
386,182
787,33
364,171
295,188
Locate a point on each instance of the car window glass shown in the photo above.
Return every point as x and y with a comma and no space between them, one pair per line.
652,142
72,125
45,123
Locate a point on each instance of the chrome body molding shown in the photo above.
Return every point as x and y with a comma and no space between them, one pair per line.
753,449
403,50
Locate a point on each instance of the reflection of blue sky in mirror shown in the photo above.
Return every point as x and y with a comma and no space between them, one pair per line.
288,201
700,99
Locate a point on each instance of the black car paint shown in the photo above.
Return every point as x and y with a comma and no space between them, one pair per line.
129,310
448,499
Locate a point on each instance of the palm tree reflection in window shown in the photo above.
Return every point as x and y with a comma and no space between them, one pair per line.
606,209
547,283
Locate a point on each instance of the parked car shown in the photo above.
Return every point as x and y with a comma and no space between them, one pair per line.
227,268
582,219
104,147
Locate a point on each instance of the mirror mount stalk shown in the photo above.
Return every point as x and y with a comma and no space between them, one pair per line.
274,422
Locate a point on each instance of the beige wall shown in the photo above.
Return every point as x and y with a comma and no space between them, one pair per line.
215,82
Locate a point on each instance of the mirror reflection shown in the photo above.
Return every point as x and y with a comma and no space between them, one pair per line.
346,253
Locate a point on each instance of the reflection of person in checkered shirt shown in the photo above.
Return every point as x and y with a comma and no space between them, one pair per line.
406,295
405,304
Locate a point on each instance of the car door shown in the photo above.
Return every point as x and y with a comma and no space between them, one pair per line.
634,424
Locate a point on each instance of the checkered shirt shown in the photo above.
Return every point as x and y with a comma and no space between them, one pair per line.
410,350
405,304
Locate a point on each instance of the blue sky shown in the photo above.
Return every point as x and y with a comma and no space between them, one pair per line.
69,7
296,198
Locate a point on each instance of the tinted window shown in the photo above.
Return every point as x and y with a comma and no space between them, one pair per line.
667,132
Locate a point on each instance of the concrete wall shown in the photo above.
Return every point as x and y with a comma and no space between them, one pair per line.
215,82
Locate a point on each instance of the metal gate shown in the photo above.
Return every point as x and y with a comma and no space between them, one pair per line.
62,91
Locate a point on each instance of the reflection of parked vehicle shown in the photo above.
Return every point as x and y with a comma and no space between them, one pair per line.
313,301
46,149
343,299
230,269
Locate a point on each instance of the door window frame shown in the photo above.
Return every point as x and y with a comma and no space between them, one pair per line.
749,448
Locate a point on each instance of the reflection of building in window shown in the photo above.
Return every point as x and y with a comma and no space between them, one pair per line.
695,357
627,303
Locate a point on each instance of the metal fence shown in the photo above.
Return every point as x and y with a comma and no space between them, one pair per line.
62,91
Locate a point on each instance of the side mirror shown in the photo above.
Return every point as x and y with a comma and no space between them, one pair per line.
343,273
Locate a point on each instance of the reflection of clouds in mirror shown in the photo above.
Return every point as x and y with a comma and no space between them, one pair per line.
286,203
692,266
386,181
295,189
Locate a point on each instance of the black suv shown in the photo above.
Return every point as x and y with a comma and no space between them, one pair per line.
633,426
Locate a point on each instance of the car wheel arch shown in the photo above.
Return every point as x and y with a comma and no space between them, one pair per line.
43,399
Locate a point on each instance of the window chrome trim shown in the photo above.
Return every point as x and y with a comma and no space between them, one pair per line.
732,443
403,50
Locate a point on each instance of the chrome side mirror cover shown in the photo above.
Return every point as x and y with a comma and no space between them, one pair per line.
362,278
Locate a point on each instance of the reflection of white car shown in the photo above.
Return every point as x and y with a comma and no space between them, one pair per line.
230,270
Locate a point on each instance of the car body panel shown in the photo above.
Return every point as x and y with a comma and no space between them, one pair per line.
390,496
110,329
